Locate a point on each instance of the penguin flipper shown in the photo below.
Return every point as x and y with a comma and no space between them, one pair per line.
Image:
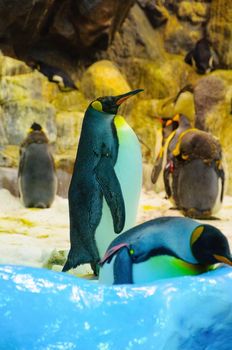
123,267
21,161
189,57
156,169
167,186
112,192
222,177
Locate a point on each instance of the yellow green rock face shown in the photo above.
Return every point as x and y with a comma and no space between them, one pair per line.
101,79
219,30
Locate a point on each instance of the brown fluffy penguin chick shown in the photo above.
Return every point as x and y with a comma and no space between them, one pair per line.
197,174
36,174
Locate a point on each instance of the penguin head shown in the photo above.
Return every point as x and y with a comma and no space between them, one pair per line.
210,246
35,127
35,134
110,104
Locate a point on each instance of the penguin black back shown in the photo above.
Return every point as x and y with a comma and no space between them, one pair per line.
202,56
55,74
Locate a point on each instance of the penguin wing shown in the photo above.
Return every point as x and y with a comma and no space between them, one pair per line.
21,161
189,58
111,190
166,176
157,169
123,267
221,175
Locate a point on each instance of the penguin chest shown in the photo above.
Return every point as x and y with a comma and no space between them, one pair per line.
164,266
128,169
153,269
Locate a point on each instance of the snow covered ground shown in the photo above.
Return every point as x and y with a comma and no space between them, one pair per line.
40,237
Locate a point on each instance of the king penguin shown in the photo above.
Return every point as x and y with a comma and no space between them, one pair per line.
106,182
37,178
165,247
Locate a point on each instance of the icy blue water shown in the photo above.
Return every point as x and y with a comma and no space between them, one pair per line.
41,309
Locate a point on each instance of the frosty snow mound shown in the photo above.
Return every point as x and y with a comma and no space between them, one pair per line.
41,309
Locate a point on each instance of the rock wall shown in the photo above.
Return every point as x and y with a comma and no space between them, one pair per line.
109,47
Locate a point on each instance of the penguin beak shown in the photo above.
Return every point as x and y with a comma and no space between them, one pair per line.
223,259
121,98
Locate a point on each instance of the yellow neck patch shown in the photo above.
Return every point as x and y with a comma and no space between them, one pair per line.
176,150
119,121
196,234
97,105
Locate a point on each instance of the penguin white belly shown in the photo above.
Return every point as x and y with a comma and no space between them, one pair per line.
128,169
153,269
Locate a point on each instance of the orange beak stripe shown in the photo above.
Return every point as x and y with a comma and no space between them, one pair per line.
223,259
122,99
169,122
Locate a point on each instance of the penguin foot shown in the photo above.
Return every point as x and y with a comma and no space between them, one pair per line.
75,259
196,213
39,205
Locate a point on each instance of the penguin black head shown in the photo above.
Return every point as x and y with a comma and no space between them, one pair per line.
36,127
110,104
210,246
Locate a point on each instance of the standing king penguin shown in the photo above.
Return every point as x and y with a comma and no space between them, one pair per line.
36,175
106,182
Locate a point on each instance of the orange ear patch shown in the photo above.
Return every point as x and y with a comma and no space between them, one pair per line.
223,259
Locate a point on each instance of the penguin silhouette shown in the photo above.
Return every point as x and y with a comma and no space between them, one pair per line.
163,248
106,181
36,174
55,75
202,57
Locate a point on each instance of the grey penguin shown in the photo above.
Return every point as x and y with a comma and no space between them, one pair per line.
106,181
164,247
37,178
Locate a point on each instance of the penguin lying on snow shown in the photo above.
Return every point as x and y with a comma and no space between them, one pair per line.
36,175
56,75
193,172
202,57
106,181
162,248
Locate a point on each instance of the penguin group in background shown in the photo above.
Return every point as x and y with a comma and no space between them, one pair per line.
55,75
37,178
202,57
163,248
192,170
106,182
